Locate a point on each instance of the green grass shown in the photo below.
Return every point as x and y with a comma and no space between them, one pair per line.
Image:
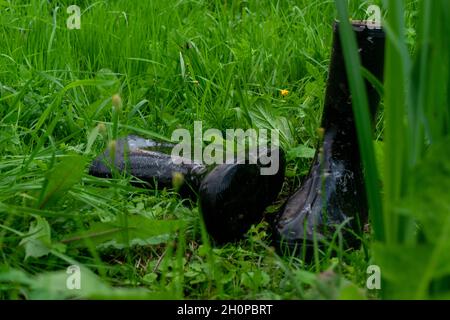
175,62
411,231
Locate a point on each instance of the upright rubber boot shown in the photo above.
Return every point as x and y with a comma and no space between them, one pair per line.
333,194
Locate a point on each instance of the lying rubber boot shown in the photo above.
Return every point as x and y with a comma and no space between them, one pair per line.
150,162
333,193
234,196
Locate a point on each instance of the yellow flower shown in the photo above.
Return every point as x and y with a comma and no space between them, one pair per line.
284,92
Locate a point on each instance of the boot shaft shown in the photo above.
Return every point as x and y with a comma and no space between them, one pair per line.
338,114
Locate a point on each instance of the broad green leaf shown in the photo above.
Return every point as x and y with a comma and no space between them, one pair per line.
404,269
38,241
429,200
305,277
301,152
15,276
349,291
263,117
53,286
134,230
254,279
61,178
150,277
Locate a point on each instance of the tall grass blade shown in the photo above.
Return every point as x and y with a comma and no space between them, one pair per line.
362,118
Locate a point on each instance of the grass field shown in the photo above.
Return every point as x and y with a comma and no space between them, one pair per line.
223,63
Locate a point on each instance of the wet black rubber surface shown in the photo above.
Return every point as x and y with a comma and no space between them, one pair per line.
232,196
150,162
333,193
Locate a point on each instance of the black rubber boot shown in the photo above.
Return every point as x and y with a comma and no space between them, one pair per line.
333,193
232,196
150,162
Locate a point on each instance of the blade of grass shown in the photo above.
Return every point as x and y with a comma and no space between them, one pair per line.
362,118
396,138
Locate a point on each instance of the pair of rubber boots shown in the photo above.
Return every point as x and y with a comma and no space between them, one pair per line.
234,196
